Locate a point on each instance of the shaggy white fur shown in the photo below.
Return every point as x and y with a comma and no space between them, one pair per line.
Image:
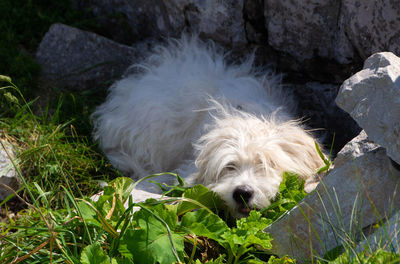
224,126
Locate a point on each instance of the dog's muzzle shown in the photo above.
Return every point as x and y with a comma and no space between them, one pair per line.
242,196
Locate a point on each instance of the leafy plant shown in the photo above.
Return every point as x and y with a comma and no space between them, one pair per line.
104,231
291,192
157,235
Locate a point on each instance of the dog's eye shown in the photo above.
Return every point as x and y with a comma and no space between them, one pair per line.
230,166
239,107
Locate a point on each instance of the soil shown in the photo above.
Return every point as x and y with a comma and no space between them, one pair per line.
10,209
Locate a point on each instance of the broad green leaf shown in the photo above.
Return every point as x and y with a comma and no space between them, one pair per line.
88,214
94,254
111,206
203,223
123,187
166,212
201,194
151,241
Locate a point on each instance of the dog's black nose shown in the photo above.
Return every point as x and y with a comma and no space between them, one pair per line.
242,194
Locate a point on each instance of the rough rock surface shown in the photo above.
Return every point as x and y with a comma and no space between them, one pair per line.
131,21
372,98
80,60
303,33
219,20
339,30
363,184
305,28
371,26
355,148
8,174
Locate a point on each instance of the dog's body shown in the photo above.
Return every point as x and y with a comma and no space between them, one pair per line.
218,125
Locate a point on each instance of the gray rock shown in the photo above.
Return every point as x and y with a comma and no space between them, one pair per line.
333,29
372,98
371,26
77,59
354,195
221,21
355,148
304,32
132,21
305,28
8,174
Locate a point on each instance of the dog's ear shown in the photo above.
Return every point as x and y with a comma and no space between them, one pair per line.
204,173
294,151
210,156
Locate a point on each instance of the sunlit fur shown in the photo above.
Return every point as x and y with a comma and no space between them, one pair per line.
220,125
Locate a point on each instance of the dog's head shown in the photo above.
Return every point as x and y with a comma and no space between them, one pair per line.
243,158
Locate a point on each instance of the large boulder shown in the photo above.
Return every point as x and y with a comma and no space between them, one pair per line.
77,59
357,193
372,98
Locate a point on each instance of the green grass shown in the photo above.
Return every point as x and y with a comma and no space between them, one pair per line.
50,152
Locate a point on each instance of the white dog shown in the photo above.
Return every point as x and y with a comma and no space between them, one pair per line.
226,127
